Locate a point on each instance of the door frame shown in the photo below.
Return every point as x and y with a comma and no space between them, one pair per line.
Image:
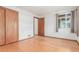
34,24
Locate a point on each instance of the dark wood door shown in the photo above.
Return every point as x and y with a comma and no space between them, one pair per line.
11,26
41,26
2,26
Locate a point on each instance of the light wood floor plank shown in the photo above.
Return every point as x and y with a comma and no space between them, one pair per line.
41,44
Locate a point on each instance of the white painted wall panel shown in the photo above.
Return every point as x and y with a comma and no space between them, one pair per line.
50,28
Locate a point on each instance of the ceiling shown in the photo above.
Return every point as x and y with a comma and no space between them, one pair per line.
43,10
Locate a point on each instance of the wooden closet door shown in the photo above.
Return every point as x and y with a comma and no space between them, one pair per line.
41,26
11,26
2,26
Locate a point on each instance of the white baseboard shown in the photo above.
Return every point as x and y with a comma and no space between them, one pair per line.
78,41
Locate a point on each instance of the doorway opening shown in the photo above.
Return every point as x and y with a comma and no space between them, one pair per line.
35,26
38,26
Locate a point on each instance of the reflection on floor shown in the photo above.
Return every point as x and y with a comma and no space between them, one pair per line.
41,44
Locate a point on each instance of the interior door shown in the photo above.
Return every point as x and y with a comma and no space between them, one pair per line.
41,26
2,26
11,26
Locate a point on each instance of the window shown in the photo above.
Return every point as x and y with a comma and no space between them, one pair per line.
64,21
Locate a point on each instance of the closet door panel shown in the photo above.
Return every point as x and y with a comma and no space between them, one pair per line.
2,26
11,26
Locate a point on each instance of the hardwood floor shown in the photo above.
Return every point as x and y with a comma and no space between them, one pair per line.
41,44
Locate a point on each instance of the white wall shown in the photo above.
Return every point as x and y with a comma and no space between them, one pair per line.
50,28
25,23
